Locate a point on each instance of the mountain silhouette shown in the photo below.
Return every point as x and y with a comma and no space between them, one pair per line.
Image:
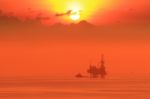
81,30
83,23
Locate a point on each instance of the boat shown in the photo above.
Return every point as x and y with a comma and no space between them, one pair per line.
79,75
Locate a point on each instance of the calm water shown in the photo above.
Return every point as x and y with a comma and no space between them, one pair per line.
74,89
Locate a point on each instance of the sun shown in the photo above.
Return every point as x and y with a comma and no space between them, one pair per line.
80,9
76,8
75,15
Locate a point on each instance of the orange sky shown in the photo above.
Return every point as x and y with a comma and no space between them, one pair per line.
28,48
97,12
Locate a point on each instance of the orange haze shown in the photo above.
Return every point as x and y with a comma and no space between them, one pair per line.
117,28
96,12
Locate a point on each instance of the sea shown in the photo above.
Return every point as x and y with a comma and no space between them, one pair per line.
75,88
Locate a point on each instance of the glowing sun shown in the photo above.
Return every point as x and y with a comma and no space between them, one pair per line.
75,8
75,15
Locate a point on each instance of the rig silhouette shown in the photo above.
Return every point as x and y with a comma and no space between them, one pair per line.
96,71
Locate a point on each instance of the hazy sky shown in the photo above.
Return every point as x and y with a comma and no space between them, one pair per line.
97,12
28,48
